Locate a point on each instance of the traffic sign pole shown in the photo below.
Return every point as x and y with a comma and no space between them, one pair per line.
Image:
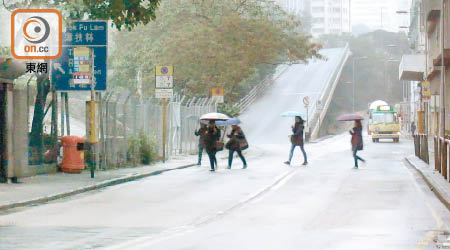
92,126
164,125
164,91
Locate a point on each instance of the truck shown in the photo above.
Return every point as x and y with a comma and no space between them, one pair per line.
383,122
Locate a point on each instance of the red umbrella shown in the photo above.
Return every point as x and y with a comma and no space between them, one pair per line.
350,117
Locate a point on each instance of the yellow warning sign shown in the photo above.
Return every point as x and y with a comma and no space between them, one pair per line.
164,70
217,92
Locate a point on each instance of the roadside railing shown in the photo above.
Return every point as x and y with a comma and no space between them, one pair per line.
441,157
421,147
128,121
259,90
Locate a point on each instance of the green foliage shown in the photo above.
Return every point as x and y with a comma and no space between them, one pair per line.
141,150
228,109
211,43
126,14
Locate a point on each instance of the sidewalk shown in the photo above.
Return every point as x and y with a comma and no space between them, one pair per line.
43,188
434,179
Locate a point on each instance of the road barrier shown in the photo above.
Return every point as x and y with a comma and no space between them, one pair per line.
421,147
441,157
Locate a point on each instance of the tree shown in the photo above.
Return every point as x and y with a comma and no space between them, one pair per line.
126,14
211,43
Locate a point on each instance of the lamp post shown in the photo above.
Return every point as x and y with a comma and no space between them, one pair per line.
386,78
381,16
354,80
442,85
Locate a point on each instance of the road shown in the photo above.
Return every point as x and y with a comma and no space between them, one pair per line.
326,205
287,93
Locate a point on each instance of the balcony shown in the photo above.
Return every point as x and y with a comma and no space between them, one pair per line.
412,67
438,60
432,12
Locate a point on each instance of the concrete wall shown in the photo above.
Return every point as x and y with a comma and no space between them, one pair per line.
20,132
18,138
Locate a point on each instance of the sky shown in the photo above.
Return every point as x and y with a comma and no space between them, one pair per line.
382,14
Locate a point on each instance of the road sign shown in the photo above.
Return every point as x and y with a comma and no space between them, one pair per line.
163,93
217,94
69,70
319,105
426,90
164,82
64,71
306,100
86,33
164,77
164,70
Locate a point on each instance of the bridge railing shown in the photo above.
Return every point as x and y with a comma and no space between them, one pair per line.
327,94
259,90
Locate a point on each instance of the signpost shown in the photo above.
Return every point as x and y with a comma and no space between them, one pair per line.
82,67
164,91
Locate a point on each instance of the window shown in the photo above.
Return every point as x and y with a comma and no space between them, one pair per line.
318,9
383,118
318,20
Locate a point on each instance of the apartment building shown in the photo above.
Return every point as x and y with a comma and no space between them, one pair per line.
294,7
330,16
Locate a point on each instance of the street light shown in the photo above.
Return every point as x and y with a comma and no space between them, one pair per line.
354,80
385,73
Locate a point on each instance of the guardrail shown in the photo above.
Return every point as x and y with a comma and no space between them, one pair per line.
328,94
441,157
258,90
421,147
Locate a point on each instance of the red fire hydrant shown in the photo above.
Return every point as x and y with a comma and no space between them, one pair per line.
73,154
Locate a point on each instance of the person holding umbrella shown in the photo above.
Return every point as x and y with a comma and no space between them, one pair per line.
212,142
201,134
297,140
212,135
357,141
237,143
356,132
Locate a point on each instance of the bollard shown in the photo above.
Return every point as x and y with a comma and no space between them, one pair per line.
425,146
437,158
416,146
444,157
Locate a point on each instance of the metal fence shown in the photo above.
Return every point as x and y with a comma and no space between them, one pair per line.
259,89
125,118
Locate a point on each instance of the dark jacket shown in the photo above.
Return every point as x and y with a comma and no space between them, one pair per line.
212,135
201,133
237,140
297,137
357,140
